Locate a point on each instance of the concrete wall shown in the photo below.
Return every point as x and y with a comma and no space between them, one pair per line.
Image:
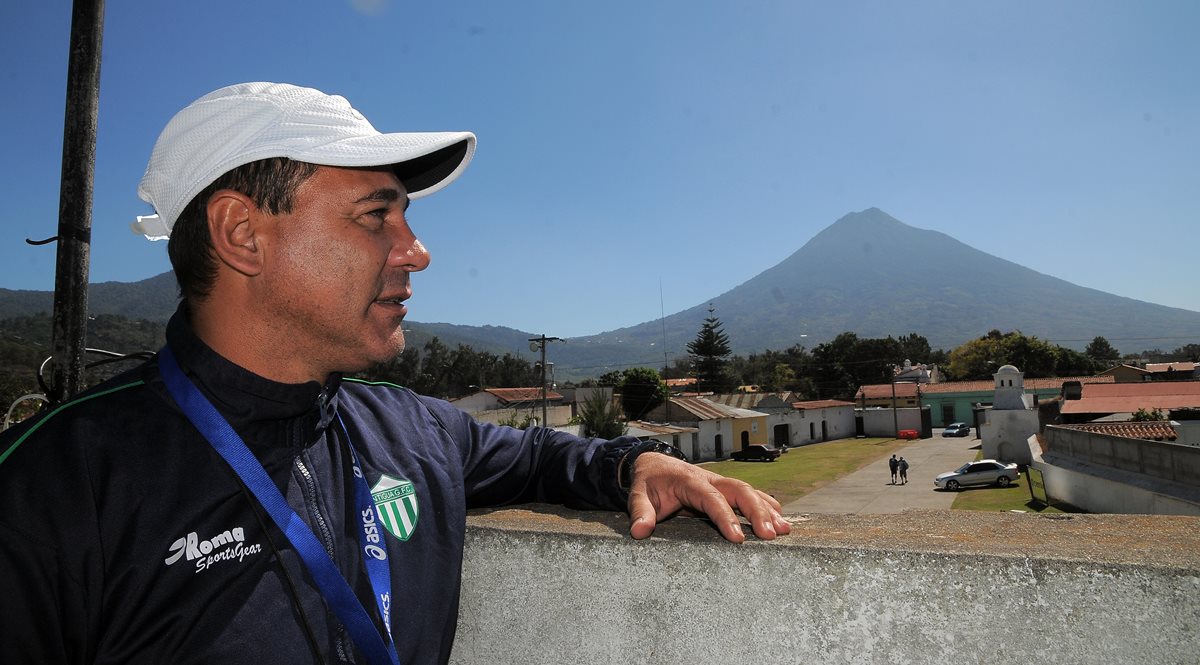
549,586
1101,490
879,422
1158,459
557,415
1073,475
1004,435
804,425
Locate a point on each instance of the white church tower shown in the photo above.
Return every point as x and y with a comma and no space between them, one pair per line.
1010,390
1011,420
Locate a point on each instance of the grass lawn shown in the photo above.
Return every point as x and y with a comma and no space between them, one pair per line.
804,469
1013,497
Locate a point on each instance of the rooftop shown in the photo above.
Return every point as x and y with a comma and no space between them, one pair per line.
1178,366
1129,397
642,428
1157,430
748,400
510,395
1044,383
704,409
884,390
820,404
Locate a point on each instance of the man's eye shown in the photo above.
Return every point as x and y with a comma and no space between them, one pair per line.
375,218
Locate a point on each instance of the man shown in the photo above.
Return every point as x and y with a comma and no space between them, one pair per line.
903,471
236,500
893,464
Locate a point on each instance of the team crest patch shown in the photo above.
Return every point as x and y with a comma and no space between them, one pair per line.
396,501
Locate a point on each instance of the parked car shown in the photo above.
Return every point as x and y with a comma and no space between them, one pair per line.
957,429
982,472
755,452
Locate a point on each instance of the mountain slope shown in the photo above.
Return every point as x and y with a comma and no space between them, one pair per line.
876,276
867,273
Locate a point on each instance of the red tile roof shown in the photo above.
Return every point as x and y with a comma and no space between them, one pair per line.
1129,397
821,404
1050,383
1154,430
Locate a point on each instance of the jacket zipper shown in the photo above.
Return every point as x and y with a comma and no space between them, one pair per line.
309,490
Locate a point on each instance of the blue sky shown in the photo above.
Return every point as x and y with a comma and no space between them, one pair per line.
692,145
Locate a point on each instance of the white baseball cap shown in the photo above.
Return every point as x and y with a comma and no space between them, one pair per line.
247,122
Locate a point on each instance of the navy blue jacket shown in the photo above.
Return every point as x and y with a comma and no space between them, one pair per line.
125,538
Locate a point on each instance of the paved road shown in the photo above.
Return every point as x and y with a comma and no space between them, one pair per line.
869,490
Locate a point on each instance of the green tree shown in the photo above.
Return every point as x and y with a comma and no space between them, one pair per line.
782,378
847,362
435,366
611,378
1102,352
1069,362
641,391
1187,352
601,417
916,348
710,355
979,359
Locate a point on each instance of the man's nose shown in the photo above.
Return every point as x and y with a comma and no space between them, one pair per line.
407,251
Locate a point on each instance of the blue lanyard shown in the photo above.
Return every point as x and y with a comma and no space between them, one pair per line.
337,592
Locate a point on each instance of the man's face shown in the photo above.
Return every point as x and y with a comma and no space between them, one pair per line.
336,272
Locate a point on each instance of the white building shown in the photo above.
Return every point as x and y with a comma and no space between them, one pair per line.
1012,419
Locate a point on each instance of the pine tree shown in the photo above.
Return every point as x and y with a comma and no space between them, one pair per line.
710,355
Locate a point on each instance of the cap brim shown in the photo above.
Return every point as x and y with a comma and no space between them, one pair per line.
428,173
424,162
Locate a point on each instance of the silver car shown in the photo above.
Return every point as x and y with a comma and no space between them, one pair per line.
982,472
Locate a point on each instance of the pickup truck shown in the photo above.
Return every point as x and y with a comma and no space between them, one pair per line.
755,452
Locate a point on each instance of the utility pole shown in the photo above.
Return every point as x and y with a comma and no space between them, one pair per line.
539,344
75,199
895,418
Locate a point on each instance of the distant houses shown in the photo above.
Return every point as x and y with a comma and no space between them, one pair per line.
1174,371
503,405
961,401
725,423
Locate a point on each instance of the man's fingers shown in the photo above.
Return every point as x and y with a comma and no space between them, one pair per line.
716,506
663,485
642,516
760,508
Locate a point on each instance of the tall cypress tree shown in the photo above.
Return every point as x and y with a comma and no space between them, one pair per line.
710,355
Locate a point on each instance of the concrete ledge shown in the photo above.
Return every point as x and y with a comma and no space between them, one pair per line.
544,585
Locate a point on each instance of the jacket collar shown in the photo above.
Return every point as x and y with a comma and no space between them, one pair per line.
243,397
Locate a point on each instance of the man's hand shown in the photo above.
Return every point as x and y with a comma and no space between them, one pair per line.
662,485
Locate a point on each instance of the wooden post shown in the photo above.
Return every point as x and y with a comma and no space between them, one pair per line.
75,199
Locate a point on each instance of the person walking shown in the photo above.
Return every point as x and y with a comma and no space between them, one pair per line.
903,464
893,464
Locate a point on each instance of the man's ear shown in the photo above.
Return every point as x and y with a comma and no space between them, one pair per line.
231,223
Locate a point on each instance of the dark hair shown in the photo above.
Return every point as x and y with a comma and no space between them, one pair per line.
270,183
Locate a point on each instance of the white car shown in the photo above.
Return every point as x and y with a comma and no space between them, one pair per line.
982,472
